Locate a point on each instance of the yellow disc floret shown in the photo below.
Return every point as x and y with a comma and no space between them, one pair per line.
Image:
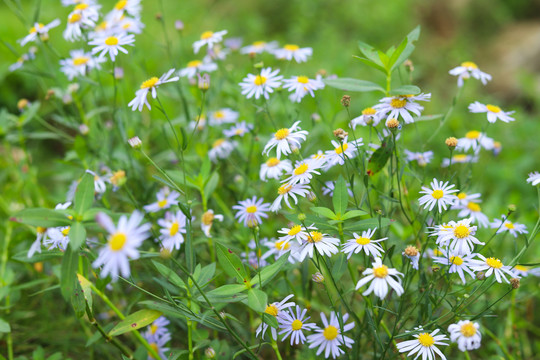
150,83
437,194
330,332
301,169
111,41
461,231
117,241
468,329
296,325
282,134
381,271
494,263
271,310
426,340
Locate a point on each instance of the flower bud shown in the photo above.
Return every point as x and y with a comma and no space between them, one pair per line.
340,134
392,124
301,216
118,178
411,251
318,277
22,104
179,25
204,82
135,142
451,142
346,101
210,353
514,282
512,208
409,65
480,275
84,129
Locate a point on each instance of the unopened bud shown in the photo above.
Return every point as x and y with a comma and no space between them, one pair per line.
118,73
259,65
311,196
411,251
480,275
118,178
84,129
512,208
322,72
204,82
38,266
22,104
316,117
341,134
301,216
451,142
435,268
135,142
210,353
392,124
318,277
159,16
409,65
165,253
50,93
179,25
346,101
514,282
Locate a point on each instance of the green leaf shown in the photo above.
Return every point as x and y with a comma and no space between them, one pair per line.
257,300
87,291
371,53
371,63
348,84
70,263
268,272
326,212
37,257
77,300
380,157
226,293
41,217
320,223
270,320
340,265
135,321
205,275
406,90
77,235
341,196
352,214
84,195
409,48
4,326
231,263
397,52
384,59
170,275
363,225
211,185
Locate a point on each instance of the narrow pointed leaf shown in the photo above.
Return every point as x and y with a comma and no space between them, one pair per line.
135,321
84,195
348,84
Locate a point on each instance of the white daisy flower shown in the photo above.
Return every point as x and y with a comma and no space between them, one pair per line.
77,2
402,105
221,149
286,138
459,159
150,85
412,253
209,38
111,44
165,199
440,194
534,178
41,235
84,16
207,220
329,186
172,228
325,245
462,199
424,344
39,30
274,309
195,67
303,171
57,238
493,112
239,129
422,158
369,117
468,69
293,324
474,211
30,55
278,248
131,7
79,64
251,211
458,263
475,140
291,51
295,232
259,47
458,236
132,25
340,151
261,84
273,168
100,181
222,116
157,328
300,86
329,338
158,344
216,53
466,334
363,243
491,266
524,271
380,276
289,190
200,124
505,225
122,244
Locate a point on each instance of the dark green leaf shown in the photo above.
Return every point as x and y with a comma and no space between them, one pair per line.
87,291
348,84
135,321
170,275
268,272
70,263
84,195
211,185
226,293
77,300
77,235
341,196
4,326
41,217
257,300
270,320
231,263
37,257
371,53
340,266
326,212
380,157
411,38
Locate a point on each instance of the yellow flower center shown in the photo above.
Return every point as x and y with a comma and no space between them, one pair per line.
302,79
218,142
426,340
153,328
33,29
82,6
437,252
339,150
301,169
369,111
219,114
272,162
283,189
493,108
363,240
207,218
456,260
76,17
81,60
117,177
494,263
294,230
162,203
398,103
474,207
271,310
469,64
117,241
194,63
259,44
509,225
111,41
251,209
259,80
437,194
381,271
154,347
330,332
120,5
65,232
206,35
461,231
521,268
282,134
41,229
150,83
101,26
315,236
296,325
239,131
291,47
174,229
460,157
282,245
468,329
462,196
474,134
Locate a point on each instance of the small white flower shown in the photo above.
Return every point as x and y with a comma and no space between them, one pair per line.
291,51
273,168
505,225
421,158
111,44
363,243
84,16
209,38
412,253
131,7
493,112
316,240
57,238
30,55
440,194
534,178
369,117
251,211
402,105
475,139
457,236
300,86
329,338
524,271
195,67
122,244
493,266
222,116
380,276
239,129
468,69
132,25
341,150
79,64
274,309
278,248
284,139
172,228
458,263
329,186
296,232
39,30
221,149
216,53
165,199
158,328
262,84
466,334
289,190
474,211
41,235
100,181
259,47
207,220
424,344
462,199
150,85
303,171
293,324
459,159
